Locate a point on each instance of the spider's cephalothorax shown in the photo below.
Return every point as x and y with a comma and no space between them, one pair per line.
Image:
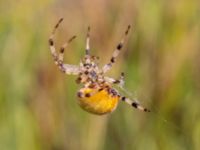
97,95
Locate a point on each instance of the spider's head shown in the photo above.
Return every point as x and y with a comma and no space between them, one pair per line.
89,70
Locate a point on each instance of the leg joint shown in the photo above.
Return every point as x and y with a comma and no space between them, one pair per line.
51,42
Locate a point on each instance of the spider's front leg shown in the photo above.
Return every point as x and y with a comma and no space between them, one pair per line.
87,48
58,59
108,66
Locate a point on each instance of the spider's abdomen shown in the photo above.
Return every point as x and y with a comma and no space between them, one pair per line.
98,102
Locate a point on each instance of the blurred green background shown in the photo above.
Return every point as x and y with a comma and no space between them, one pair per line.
161,60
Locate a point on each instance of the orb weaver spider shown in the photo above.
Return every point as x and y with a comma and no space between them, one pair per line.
97,96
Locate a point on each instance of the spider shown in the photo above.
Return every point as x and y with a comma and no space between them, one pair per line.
97,95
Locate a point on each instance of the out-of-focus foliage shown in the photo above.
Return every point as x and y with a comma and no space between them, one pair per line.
38,108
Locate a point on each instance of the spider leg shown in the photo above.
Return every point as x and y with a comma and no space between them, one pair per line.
134,104
58,59
119,81
62,49
51,42
87,48
108,66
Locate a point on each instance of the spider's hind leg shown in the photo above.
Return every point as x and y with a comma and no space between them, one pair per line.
134,104
87,48
119,82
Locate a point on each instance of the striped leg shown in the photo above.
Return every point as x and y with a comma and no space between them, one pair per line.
58,59
87,48
119,81
51,42
108,66
134,104
62,49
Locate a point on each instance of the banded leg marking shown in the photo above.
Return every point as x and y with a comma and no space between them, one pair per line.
62,49
108,66
51,42
134,104
58,59
119,81
87,49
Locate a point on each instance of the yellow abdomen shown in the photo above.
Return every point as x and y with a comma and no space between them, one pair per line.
100,102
